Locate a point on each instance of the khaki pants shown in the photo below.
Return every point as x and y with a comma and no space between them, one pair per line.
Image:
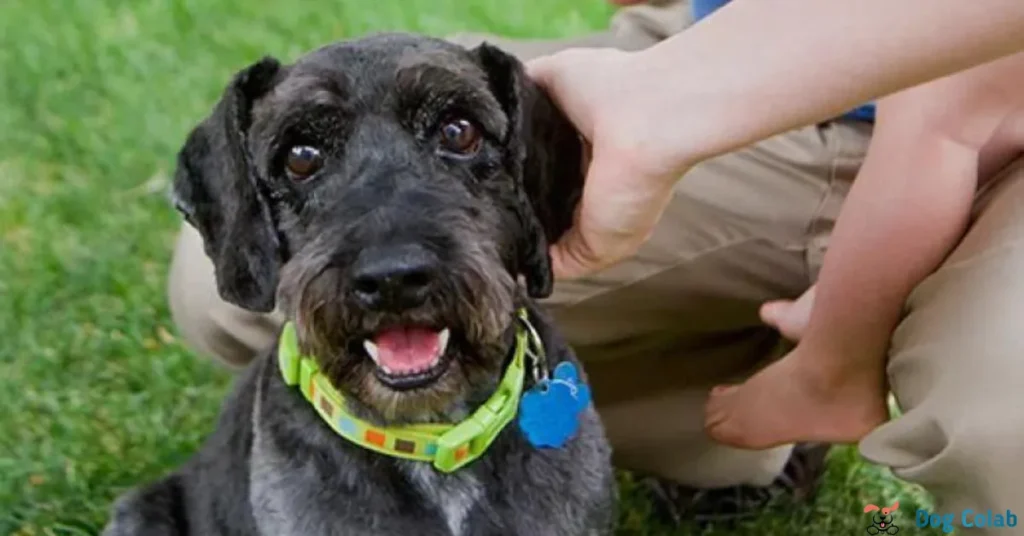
658,329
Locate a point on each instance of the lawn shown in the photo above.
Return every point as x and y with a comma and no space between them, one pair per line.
98,392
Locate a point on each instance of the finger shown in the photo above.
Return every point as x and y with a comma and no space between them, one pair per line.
586,155
588,246
570,257
541,69
574,254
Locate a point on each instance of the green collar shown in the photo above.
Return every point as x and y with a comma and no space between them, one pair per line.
448,446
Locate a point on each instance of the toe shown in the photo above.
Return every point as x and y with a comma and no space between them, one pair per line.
770,313
723,390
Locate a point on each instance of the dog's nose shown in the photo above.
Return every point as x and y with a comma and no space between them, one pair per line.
395,277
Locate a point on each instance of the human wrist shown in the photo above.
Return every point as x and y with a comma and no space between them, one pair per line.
689,120
656,141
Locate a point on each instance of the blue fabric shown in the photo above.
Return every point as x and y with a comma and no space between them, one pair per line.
703,8
862,113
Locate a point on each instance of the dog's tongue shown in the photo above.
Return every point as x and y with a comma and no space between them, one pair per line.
406,350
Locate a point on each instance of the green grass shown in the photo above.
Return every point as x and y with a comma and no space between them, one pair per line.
97,392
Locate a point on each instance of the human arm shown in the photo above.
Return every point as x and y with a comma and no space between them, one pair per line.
907,209
753,69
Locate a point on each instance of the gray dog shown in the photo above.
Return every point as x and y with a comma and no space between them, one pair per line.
388,194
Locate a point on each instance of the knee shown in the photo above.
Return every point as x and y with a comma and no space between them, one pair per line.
976,469
963,454
985,441
209,324
191,291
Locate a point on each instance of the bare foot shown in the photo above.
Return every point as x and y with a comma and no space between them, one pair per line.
790,317
795,400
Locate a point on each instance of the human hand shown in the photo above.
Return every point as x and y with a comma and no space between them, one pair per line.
631,169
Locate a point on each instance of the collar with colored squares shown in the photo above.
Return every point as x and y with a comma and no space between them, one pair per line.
448,446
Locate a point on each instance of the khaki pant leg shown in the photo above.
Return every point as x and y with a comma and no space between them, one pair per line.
956,367
208,323
657,330
631,28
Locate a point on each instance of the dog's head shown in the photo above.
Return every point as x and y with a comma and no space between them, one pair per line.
391,192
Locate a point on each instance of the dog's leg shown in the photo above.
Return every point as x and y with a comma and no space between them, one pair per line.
154,510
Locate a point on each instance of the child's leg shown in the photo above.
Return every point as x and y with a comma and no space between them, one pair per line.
790,317
907,208
832,386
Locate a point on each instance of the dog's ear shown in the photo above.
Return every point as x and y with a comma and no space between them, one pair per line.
216,189
547,154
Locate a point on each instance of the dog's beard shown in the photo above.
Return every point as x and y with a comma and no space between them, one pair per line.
475,302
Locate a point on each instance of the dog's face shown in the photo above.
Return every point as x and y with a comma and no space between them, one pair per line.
390,192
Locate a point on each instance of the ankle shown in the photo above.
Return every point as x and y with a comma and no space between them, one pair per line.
829,369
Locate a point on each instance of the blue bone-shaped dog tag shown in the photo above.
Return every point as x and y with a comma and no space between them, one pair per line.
549,413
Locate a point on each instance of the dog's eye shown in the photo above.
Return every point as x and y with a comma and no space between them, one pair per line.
303,161
460,136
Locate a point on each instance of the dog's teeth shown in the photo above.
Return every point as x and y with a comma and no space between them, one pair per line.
442,341
371,349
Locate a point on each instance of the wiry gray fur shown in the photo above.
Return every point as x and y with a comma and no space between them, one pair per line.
273,467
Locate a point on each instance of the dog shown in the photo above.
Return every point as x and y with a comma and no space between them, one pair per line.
394,195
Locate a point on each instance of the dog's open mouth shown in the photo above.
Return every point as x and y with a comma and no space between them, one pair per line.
407,357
